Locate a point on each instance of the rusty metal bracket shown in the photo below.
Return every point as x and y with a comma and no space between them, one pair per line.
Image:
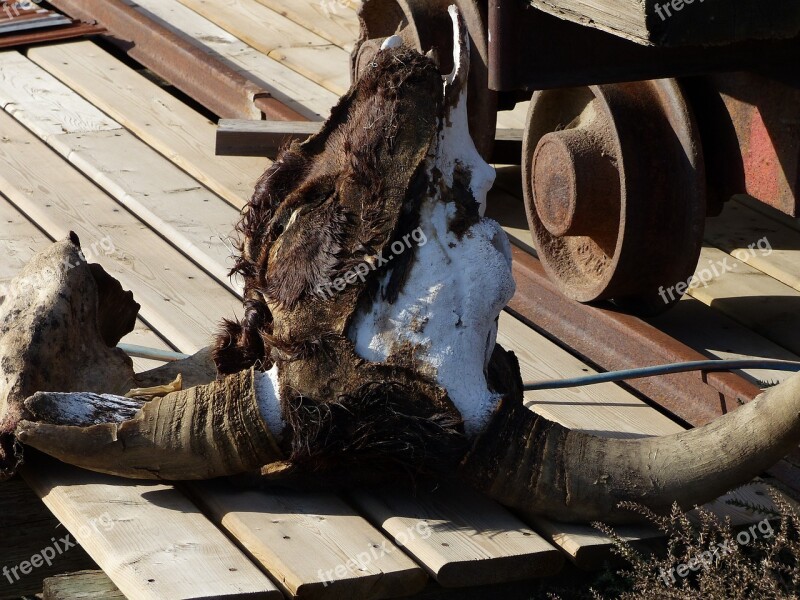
242,137
215,85
75,30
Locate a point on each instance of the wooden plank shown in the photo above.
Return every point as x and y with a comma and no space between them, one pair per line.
750,297
462,538
314,546
178,207
515,118
655,22
155,116
45,117
772,213
280,38
334,20
21,239
757,240
86,585
187,215
177,298
26,528
295,90
244,137
148,538
721,337
241,137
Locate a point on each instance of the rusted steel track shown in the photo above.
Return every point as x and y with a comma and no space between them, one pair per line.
215,85
614,340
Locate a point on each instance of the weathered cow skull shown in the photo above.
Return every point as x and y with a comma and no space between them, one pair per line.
372,290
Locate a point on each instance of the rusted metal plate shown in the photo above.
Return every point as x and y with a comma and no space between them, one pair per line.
215,85
75,30
764,115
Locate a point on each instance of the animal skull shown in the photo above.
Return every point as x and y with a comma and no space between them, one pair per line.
341,367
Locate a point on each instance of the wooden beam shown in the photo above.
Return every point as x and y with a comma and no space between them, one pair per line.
314,545
241,137
148,537
681,23
27,528
155,116
86,585
462,538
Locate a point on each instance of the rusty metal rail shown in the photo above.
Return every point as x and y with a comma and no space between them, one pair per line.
221,89
614,341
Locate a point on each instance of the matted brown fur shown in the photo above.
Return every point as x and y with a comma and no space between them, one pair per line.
324,207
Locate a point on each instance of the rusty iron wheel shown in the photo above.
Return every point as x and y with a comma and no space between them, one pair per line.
425,25
614,185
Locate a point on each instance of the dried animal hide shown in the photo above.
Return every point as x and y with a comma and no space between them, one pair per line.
323,208
61,319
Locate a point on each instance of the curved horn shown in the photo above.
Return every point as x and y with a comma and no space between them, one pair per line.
203,432
539,467
456,82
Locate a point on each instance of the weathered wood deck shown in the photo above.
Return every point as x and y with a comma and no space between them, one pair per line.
90,144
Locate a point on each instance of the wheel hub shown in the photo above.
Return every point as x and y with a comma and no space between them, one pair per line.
614,187
574,182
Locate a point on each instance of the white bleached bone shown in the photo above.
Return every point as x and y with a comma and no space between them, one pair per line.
449,305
